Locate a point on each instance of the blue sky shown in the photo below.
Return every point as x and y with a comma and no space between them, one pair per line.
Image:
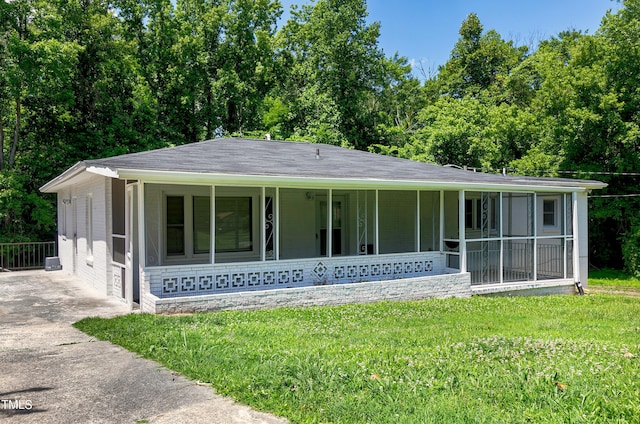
424,30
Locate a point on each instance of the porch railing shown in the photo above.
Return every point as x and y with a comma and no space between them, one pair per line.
484,266
22,256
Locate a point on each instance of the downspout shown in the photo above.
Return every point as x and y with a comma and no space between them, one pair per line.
577,277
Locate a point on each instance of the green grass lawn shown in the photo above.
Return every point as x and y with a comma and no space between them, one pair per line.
614,278
524,359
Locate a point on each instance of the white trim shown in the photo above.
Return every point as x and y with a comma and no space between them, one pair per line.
276,230
53,185
105,172
329,240
212,230
462,244
174,177
418,235
377,247
564,233
442,220
576,239
263,221
142,237
535,237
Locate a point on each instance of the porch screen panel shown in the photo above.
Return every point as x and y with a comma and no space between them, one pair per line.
550,259
429,221
153,224
234,224
517,217
365,218
201,224
569,260
569,213
482,215
397,222
270,223
118,221
300,222
175,225
483,261
452,229
451,224
551,214
518,260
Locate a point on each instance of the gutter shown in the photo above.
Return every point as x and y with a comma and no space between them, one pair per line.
310,182
75,170
168,177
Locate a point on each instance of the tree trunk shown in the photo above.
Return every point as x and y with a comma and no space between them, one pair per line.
16,132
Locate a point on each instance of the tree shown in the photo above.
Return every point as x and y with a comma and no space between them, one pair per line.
334,66
479,63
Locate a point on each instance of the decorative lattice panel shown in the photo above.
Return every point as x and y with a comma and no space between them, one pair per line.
241,277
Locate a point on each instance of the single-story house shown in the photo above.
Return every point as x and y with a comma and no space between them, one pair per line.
240,223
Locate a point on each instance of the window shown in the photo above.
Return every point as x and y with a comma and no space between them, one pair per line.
468,213
175,226
234,224
473,213
63,218
188,226
549,212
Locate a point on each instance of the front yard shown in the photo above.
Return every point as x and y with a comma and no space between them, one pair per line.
528,359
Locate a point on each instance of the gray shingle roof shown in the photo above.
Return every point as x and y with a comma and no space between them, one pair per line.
249,157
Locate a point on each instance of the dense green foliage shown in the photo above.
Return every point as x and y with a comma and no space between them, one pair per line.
480,360
82,79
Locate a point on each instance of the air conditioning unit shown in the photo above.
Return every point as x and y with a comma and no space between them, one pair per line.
52,264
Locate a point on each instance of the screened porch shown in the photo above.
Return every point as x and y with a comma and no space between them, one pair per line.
213,239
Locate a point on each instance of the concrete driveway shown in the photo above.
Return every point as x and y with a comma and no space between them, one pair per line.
53,373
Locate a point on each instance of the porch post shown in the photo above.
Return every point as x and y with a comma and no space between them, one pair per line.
128,239
263,231
501,234
377,223
461,231
535,236
212,248
441,220
580,241
142,239
565,242
276,232
330,223
417,221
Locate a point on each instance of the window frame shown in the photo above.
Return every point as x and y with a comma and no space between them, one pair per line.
237,249
554,214
253,254
474,214
189,255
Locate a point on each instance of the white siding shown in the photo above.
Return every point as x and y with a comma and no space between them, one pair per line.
95,272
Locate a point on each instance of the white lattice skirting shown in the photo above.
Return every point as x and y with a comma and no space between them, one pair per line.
195,280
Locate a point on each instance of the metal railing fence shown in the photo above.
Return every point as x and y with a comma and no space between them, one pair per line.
29,255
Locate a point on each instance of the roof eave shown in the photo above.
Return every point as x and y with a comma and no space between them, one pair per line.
61,180
173,177
53,185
